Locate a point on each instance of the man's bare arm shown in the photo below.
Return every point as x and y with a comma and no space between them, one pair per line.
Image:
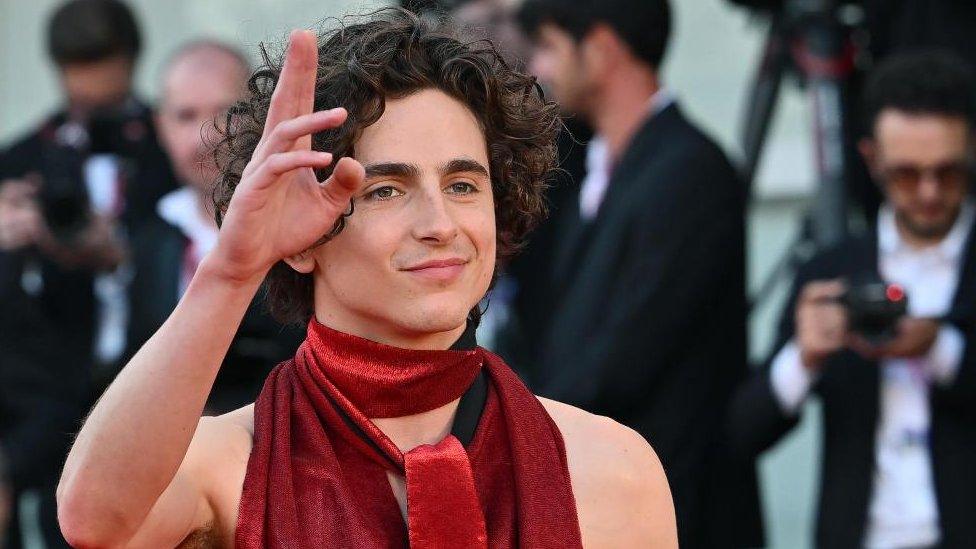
137,436
133,444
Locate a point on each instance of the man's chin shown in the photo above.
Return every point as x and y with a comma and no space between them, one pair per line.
434,318
929,229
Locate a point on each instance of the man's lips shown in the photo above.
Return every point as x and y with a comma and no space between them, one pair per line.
443,270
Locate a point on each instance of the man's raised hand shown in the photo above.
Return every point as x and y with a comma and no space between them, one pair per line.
279,209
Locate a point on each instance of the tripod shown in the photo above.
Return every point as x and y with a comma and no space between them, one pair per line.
810,40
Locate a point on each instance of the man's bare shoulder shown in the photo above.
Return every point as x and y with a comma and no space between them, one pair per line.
218,436
622,493
217,457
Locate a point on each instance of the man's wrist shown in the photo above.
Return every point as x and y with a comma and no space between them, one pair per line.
790,379
945,353
213,270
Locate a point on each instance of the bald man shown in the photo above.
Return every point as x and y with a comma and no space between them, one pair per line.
200,81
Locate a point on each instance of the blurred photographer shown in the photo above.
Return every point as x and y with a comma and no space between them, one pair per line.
880,328
70,193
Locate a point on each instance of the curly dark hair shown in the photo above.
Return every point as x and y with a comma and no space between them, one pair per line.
928,81
391,54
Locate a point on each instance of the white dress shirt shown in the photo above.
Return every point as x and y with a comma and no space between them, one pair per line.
103,180
902,510
181,209
598,163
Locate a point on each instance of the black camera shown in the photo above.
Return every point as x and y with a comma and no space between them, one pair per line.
64,197
874,308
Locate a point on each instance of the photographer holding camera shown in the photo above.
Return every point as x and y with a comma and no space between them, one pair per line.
70,193
892,361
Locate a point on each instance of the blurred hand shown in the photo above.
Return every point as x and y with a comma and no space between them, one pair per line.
279,209
821,322
97,247
915,337
21,222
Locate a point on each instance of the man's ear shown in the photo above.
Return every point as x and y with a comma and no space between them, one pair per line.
869,151
599,49
303,262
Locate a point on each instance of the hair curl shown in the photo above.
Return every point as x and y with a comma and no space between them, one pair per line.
391,54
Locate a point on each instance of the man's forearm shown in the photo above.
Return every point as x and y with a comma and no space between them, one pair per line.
133,442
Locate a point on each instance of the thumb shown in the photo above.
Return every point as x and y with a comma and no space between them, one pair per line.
346,179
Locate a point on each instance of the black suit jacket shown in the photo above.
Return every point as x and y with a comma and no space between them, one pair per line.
40,402
849,388
260,343
650,327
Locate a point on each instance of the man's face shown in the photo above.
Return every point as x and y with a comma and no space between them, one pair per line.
923,163
419,251
96,84
559,63
197,89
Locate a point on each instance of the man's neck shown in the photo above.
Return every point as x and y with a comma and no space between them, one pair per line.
406,432
430,427
622,107
329,312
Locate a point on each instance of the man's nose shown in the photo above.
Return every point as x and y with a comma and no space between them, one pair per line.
434,221
929,187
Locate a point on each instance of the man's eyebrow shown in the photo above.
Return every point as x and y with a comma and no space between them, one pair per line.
392,169
464,165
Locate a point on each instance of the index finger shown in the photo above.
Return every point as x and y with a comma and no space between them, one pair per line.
823,290
294,92
16,190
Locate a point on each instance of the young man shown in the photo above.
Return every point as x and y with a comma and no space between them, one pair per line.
357,441
649,325
899,427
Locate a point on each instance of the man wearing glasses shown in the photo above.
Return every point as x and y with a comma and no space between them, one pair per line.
900,410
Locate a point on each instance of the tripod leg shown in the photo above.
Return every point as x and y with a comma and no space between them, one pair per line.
761,104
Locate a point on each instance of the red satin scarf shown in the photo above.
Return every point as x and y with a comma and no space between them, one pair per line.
317,475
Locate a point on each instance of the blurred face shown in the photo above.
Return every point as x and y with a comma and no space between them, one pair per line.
419,251
197,89
97,84
923,163
560,65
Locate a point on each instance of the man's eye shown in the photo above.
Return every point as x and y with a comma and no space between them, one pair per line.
383,193
462,187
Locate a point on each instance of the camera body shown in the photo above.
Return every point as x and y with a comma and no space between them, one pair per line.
64,199
874,308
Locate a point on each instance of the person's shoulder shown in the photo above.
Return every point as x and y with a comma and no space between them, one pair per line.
605,450
235,427
220,446
217,463
621,490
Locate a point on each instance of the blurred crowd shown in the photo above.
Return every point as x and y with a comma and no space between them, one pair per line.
630,301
